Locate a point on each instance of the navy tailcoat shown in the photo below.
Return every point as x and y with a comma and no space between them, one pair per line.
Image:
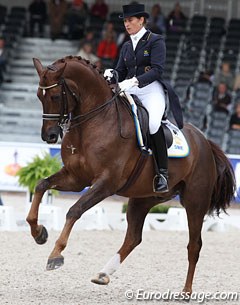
146,63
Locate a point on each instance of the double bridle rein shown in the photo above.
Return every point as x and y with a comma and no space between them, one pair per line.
64,118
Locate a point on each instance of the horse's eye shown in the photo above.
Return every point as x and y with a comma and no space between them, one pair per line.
55,98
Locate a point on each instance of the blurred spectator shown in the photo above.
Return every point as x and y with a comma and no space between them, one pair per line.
107,50
3,59
235,118
236,86
176,19
221,98
99,10
38,13
57,13
76,19
109,28
89,36
122,38
156,21
86,52
225,76
205,77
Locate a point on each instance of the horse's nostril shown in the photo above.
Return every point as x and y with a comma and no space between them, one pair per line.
52,137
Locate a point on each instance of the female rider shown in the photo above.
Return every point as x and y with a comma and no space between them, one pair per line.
140,68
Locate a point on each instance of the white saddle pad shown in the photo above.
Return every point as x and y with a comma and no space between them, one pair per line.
179,147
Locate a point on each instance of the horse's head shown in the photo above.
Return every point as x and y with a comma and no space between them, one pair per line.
58,97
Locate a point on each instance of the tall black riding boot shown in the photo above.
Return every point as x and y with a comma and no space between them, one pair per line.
159,147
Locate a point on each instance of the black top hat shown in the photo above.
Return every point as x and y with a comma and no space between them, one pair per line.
137,10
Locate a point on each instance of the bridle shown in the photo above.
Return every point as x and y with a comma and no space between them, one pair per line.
65,118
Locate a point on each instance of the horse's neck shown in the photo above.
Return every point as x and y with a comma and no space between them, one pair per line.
96,97
93,89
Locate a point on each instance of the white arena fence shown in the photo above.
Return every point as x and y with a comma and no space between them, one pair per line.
53,218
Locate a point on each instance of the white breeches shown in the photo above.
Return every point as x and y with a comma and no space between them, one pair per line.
153,99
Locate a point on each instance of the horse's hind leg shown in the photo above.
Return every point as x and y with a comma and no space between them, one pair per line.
196,209
136,213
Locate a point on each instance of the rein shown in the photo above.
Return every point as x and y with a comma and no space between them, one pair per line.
89,115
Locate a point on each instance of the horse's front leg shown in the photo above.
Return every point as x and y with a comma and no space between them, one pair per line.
100,190
60,181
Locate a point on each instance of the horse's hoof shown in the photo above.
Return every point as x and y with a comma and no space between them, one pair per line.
42,237
55,263
186,295
101,279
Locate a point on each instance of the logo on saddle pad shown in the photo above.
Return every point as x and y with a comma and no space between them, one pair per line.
178,147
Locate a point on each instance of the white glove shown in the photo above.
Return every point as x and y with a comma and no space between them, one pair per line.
128,84
108,74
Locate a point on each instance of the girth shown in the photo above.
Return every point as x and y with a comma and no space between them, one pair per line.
136,172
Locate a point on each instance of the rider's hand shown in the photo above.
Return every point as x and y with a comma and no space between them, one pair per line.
108,74
128,84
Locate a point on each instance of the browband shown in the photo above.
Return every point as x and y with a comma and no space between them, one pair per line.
48,87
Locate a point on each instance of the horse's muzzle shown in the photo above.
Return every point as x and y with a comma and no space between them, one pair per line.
51,135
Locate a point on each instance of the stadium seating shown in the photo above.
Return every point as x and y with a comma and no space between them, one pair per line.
3,14
198,104
218,123
233,142
20,111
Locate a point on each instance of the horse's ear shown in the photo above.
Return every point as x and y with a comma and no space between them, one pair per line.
38,66
60,71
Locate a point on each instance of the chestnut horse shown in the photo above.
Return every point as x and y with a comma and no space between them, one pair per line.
99,149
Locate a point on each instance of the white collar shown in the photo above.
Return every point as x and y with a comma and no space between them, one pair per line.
136,37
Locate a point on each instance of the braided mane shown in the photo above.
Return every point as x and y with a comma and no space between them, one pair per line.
78,59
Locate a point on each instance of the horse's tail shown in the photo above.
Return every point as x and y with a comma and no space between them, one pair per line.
225,184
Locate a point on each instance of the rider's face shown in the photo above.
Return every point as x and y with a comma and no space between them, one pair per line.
133,24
